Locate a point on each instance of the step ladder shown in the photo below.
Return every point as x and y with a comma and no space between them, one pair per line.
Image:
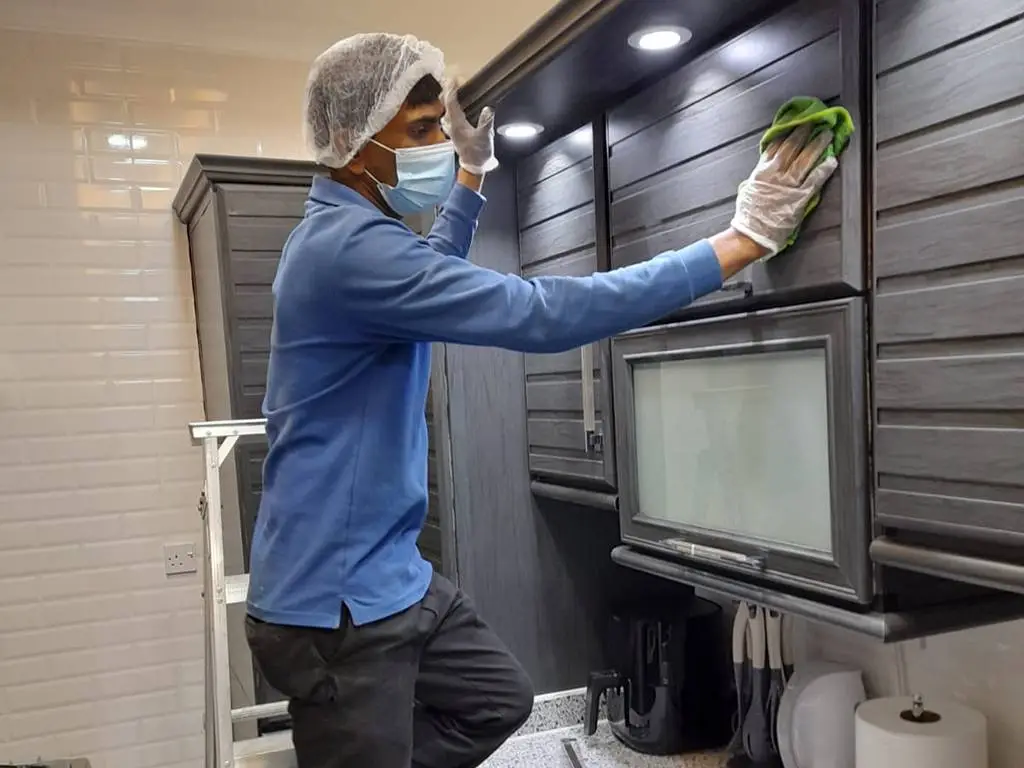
273,750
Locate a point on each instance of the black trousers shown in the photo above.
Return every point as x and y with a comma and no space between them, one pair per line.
432,687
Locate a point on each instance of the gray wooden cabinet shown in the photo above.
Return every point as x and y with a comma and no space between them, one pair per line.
949,269
238,213
679,150
568,395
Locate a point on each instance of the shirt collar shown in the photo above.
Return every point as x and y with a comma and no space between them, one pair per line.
327,191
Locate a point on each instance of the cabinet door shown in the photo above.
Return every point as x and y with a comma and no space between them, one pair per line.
567,394
741,444
679,150
949,269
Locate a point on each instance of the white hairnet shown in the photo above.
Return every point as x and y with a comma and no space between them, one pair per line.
357,86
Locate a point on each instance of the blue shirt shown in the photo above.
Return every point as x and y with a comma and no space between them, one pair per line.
358,297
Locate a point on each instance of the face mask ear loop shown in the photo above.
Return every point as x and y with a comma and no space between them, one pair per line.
383,146
377,181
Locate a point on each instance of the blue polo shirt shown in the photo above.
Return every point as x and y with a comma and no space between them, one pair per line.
358,297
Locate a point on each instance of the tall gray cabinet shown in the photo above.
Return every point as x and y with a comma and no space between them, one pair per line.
238,212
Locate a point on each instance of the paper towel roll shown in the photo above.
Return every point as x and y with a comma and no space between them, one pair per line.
950,735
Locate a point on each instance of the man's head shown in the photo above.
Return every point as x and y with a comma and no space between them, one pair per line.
370,94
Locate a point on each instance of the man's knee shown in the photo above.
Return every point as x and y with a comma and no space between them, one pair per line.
518,702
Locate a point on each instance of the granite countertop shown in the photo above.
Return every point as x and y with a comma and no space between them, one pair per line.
602,750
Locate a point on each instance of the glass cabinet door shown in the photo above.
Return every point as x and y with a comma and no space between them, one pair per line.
742,443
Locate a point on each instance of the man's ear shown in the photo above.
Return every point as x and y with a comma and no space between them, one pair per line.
357,165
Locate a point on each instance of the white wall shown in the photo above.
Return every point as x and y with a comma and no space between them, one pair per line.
100,653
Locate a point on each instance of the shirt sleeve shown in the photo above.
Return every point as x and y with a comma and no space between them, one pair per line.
411,292
455,225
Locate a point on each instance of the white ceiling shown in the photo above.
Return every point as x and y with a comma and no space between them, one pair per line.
470,32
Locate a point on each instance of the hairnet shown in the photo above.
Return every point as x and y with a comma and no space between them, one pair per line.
357,86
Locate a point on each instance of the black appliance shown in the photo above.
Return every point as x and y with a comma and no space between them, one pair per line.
671,690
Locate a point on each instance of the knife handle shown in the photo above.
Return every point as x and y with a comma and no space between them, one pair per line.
774,633
757,639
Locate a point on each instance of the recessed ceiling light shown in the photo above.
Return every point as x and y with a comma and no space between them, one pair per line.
519,131
659,38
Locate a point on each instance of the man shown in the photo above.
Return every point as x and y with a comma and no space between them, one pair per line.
386,664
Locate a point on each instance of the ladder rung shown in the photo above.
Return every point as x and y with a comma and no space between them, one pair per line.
256,711
236,588
274,750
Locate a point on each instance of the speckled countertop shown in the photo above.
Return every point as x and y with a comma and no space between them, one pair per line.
602,750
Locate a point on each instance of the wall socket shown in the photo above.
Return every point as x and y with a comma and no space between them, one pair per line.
179,558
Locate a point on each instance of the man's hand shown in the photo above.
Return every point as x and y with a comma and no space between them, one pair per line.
474,144
772,202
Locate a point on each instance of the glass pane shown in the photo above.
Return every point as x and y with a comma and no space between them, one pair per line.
737,444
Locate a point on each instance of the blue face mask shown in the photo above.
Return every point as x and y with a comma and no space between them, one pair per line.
426,176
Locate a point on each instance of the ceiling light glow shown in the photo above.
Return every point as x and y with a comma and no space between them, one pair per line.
654,39
520,131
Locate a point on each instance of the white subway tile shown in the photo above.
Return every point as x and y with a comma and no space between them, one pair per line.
19,195
120,197
82,112
134,143
41,138
140,170
43,166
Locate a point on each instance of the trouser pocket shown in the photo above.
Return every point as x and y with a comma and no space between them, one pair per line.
290,660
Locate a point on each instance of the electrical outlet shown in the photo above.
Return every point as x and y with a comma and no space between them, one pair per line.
179,558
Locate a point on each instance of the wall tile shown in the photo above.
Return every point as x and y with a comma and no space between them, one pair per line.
101,654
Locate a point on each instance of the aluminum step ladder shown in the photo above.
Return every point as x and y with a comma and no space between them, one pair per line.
273,750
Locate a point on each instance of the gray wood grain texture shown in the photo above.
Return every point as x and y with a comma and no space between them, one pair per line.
743,109
675,168
836,326
558,236
949,269
910,29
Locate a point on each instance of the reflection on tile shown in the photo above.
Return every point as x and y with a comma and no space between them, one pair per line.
82,112
138,143
169,116
120,197
138,169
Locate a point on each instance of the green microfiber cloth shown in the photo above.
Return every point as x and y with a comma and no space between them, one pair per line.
805,109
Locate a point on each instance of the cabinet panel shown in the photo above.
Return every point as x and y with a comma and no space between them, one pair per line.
558,236
794,28
699,410
266,200
949,269
678,154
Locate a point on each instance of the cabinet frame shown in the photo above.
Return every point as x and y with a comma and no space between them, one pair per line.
838,328
597,444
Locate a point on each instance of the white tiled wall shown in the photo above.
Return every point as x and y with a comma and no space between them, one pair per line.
100,652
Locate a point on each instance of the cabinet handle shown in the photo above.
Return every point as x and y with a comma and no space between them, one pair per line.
591,438
714,554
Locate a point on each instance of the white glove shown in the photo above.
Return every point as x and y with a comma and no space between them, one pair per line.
772,202
473,144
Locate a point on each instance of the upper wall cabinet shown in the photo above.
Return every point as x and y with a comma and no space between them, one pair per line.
679,150
568,395
949,268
